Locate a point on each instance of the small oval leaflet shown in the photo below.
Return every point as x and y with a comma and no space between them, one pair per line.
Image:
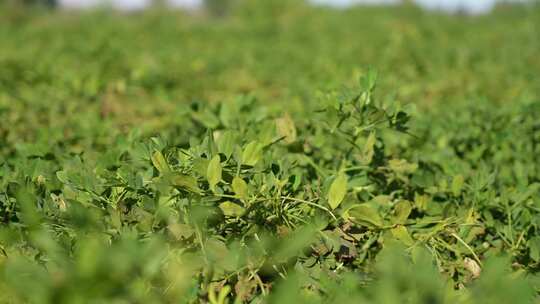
286,128
457,184
402,234
402,210
226,143
186,182
366,216
337,191
231,209
252,153
213,173
62,177
368,150
240,187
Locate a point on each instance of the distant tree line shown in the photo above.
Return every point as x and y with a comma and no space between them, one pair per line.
48,3
215,7
218,7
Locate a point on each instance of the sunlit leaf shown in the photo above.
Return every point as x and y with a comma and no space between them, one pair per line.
402,234
240,187
337,191
252,153
159,161
365,215
402,210
286,128
213,173
231,209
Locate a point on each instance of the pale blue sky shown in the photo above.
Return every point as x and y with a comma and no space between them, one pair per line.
473,6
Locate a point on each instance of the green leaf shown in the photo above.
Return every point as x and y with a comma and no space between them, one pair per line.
206,118
232,209
457,184
401,212
368,150
200,165
534,248
227,114
212,147
252,153
365,215
369,81
240,188
213,173
159,161
62,177
226,143
402,234
186,182
401,166
337,191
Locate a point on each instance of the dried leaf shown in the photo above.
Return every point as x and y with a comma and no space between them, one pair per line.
473,267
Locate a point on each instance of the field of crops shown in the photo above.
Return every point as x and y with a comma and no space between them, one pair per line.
274,153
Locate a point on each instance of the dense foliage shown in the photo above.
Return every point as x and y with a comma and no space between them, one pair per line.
275,153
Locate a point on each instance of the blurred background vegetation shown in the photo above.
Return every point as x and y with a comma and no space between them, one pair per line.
109,122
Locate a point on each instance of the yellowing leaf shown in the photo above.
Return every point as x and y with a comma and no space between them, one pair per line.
240,188
213,173
286,129
231,209
159,161
337,191
180,231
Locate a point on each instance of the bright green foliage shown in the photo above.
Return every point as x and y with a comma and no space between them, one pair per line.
213,173
171,158
337,191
